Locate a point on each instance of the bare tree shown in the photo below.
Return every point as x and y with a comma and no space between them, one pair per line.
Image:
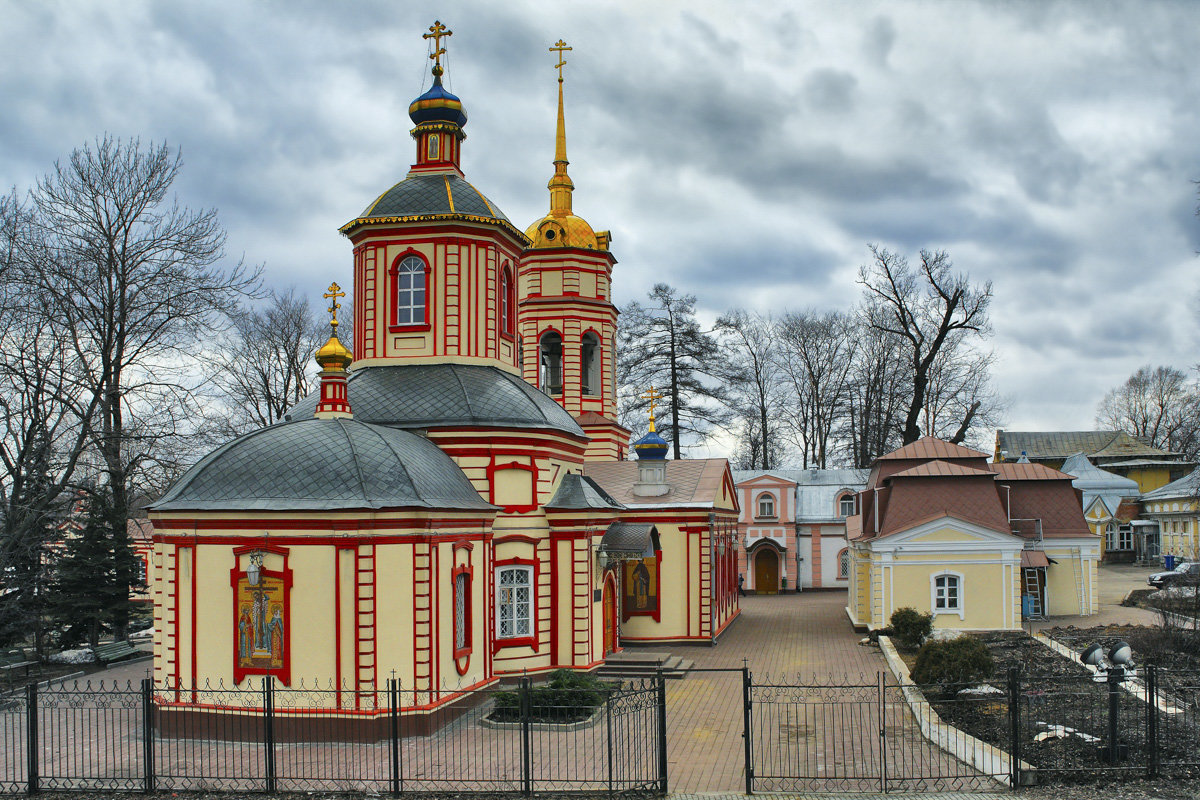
959,399
134,280
923,307
752,365
662,345
1160,405
878,388
817,352
267,365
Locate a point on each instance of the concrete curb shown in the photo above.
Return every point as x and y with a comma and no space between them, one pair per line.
986,758
1133,686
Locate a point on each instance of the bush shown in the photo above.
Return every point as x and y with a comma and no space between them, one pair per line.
568,696
911,627
962,660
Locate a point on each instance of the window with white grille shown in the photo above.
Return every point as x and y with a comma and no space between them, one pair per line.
947,593
514,602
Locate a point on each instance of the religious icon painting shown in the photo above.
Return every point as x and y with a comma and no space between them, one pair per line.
640,586
261,625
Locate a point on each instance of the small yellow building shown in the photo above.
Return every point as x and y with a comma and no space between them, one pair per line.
1173,514
978,545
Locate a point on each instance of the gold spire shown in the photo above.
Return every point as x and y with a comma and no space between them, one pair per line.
560,185
436,31
652,396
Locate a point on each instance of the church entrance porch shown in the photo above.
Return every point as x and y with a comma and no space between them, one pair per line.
766,571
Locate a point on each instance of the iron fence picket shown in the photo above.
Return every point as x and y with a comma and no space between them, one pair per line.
14,734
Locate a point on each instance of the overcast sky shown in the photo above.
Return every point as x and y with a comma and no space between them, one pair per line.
744,152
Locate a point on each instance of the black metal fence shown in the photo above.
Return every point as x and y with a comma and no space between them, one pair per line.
268,739
870,734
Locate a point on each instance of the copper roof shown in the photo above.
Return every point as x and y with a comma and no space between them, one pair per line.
930,447
1034,558
1028,472
971,498
931,469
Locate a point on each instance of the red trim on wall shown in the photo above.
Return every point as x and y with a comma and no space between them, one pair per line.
462,656
519,508
389,293
534,605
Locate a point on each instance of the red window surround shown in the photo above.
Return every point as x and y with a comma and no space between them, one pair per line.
521,641
508,303
394,323
462,655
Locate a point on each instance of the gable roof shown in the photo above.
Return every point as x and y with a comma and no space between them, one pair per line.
1061,444
577,492
930,447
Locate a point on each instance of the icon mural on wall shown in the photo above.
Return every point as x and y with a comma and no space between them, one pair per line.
640,586
261,634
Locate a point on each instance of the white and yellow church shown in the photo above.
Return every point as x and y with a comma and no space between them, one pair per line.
453,505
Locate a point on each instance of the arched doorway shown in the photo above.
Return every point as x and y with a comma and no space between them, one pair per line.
766,571
609,606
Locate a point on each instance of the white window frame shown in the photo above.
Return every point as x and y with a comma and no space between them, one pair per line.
960,610
1125,537
769,500
1110,537
846,498
502,602
411,291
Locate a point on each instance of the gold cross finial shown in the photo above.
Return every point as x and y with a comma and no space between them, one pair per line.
652,396
560,47
436,31
333,294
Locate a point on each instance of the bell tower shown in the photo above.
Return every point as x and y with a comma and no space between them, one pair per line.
566,320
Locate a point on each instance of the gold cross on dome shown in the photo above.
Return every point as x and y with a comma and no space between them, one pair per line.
652,396
560,47
333,294
436,31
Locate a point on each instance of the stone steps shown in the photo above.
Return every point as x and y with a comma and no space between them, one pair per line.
644,664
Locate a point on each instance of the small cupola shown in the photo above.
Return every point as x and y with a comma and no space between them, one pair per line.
334,359
438,115
651,451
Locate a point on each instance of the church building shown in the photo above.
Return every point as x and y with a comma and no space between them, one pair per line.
453,505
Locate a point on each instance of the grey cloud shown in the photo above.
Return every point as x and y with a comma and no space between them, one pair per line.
830,90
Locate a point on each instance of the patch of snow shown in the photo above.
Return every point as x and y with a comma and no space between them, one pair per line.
944,634
138,636
983,689
83,656
1062,732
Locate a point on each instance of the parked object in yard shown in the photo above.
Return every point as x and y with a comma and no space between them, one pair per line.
1184,573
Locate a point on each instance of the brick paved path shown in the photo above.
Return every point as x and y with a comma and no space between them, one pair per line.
789,638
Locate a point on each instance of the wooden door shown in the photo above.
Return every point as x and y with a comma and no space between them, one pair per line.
766,571
609,612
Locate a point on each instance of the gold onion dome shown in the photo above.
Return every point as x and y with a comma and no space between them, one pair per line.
334,355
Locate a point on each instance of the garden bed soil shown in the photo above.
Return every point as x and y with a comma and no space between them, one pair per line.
1063,710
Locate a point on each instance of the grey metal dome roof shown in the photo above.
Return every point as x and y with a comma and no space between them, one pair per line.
437,196
321,465
447,395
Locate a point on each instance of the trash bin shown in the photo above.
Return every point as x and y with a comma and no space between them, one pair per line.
1169,562
1027,606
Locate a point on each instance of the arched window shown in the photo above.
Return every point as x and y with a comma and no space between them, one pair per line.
844,563
507,302
550,372
846,505
946,589
589,360
766,505
411,295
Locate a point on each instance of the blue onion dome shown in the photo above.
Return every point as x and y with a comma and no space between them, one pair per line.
437,105
651,447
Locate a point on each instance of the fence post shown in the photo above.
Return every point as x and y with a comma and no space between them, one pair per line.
662,731
748,727
526,738
148,735
1152,720
882,704
1014,724
608,723
269,731
394,719
31,738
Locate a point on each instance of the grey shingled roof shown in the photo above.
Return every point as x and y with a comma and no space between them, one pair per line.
446,395
322,465
629,538
1061,444
425,195
578,492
